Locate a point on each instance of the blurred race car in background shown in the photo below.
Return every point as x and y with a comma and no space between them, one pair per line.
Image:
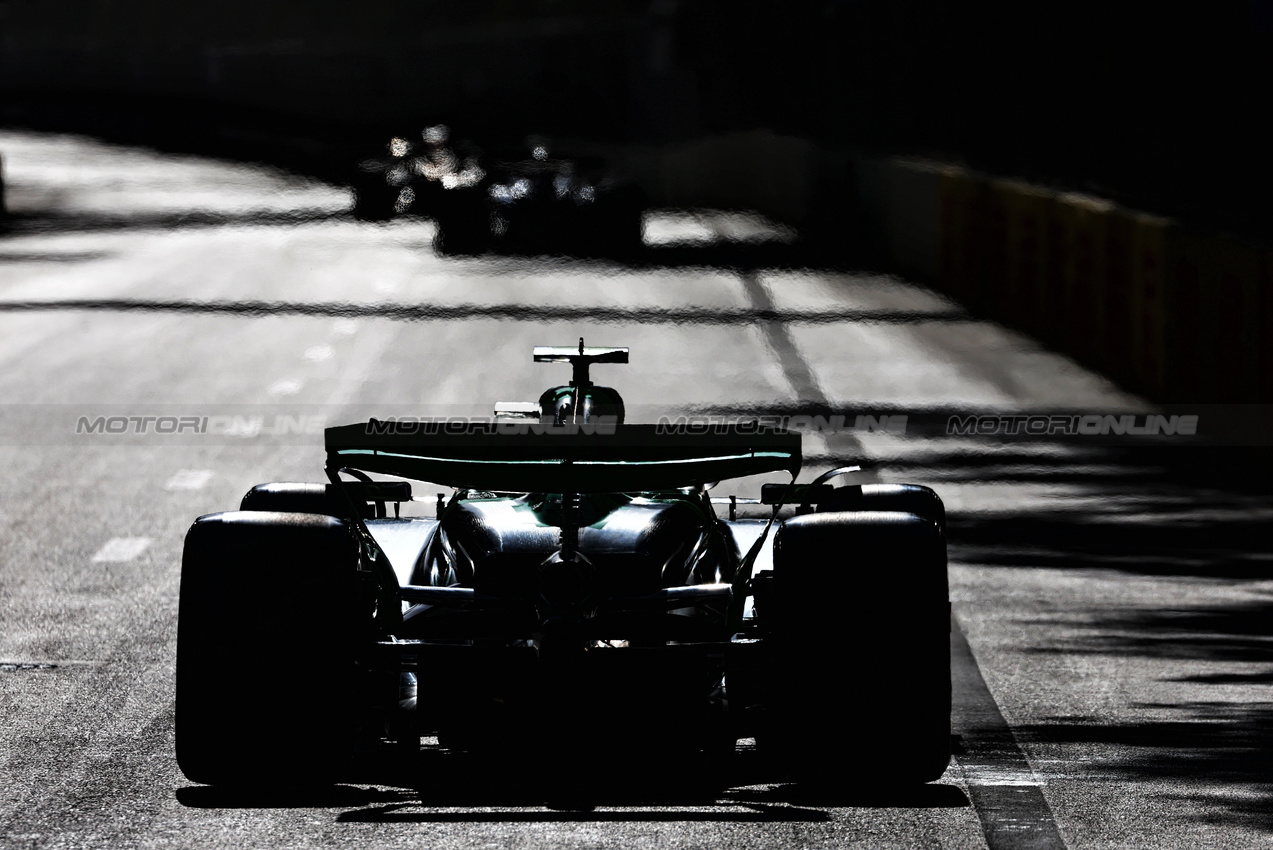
532,202
408,176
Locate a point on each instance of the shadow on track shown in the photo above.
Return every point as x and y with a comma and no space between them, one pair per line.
53,256
730,255
29,224
566,812
447,787
1155,512
511,312
1234,633
209,797
737,256
1220,744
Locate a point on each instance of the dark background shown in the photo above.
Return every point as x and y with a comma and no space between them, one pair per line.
1159,106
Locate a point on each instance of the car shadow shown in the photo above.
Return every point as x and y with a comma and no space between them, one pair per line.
441,786
316,797
566,810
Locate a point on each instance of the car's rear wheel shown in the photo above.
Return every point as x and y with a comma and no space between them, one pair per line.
373,196
617,224
462,238
267,627
463,223
295,497
859,618
907,498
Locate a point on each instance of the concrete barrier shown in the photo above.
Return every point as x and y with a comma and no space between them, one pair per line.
901,214
994,253
1182,317
1266,322
868,177
1214,318
1028,210
1115,349
911,215
1233,317
1053,281
1083,222
959,219
1151,241
1191,262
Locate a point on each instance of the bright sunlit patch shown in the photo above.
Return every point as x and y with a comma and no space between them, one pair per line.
120,549
982,775
345,327
712,227
189,479
286,386
319,353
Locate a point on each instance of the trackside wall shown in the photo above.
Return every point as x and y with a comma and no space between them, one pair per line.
1180,316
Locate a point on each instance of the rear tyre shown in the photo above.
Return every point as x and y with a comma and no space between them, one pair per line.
859,616
461,240
374,198
295,497
907,498
618,223
463,224
267,628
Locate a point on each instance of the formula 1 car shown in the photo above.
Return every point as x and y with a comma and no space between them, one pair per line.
542,204
526,204
576,593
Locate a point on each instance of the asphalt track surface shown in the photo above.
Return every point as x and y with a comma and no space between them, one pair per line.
1111,652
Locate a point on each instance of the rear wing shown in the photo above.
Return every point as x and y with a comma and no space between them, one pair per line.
532,459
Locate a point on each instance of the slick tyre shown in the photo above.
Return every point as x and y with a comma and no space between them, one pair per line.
617,228
463,225
373,197
294,497
860,621
906,498
461,238
266,632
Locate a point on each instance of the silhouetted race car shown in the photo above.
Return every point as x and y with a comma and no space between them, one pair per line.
412,177
574,604
536,203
